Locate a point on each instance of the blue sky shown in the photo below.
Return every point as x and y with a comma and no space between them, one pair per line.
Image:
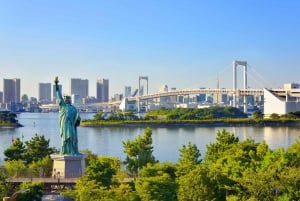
184,44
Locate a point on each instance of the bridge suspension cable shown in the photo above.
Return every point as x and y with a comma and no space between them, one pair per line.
265,83
215,77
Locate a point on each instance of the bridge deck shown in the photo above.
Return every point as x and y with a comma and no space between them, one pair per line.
49,184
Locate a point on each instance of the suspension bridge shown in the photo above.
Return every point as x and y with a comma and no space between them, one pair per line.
236,95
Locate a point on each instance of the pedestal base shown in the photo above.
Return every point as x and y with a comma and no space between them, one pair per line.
68,166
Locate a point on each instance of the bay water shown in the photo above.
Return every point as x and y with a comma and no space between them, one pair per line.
167,141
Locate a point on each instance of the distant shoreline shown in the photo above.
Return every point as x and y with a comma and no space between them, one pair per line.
186,123
10,125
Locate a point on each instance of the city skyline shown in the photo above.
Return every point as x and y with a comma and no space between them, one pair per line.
181,44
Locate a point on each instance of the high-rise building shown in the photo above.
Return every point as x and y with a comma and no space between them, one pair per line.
127,91
79,87
44,92
1,97
102,90
54,94
12,90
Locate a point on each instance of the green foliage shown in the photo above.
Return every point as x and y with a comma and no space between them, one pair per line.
34,150
157,182
295,147
37,148
30,191
35,155
289,183
123,192
41,168
16,151
156,188
4,186
223,142
197,185
274,116
98,184
196,113
231,170
257,115
101,171
98,116
262,149
8,117
89,190
189,157
15,168
139,152
159,169
258,185
89,156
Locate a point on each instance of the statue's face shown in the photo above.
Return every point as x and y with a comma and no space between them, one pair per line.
67,99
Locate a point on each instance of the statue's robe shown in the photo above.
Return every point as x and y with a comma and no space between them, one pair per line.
69,119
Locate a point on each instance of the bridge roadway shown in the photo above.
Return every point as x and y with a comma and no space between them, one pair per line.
185,92
49,184
239,92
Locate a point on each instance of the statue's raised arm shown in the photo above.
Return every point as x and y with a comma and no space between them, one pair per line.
58,92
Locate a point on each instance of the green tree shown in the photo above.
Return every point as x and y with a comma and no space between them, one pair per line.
157,188
16,151
274,116
30,191
157,182
97,180
101,171
189,157
37,148
262,149
98,116
87,190
4,186
198,185
89,156
257,115
290,183
15,168
12,117
123,192
139,152
41,168
294,153
223,142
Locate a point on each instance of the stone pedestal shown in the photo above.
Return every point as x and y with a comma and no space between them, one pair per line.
68,166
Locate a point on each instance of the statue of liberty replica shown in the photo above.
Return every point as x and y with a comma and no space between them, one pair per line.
69,163
69,120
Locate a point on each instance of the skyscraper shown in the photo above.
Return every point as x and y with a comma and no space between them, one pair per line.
1,97
79,87
102,90
11,90
127,91
44,92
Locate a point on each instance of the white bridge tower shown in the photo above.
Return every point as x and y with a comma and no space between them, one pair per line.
236,94
139,92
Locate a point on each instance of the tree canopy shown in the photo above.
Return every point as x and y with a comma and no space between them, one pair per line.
139,152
